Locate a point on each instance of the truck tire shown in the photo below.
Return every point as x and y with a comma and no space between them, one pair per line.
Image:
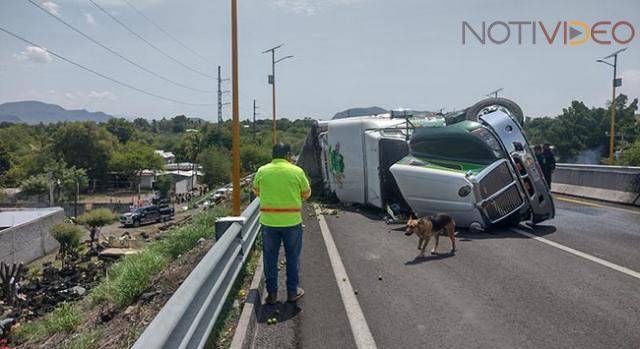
136,223
514,109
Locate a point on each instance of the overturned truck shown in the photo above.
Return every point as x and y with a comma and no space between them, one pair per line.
475,164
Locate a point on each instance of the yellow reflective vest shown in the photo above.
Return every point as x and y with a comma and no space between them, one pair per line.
281,187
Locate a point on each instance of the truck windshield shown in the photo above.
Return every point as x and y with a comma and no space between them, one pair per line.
465,141
490,140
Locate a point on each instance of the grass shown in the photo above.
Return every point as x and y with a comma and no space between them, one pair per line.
132,275
64,318
126,280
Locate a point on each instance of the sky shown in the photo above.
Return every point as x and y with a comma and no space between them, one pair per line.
347,53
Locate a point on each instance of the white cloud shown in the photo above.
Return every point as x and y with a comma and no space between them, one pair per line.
95,95
311,7
104,95
91,95
34,54
52,7
90,19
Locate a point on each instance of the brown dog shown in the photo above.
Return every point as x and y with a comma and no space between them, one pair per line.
427,227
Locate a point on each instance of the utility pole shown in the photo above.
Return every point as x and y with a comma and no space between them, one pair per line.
220,121
253,126
616,83
272,81
235,129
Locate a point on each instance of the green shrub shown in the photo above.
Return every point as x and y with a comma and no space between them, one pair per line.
96,219
68,236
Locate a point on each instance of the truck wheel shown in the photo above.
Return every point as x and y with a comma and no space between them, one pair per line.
136,223
490,104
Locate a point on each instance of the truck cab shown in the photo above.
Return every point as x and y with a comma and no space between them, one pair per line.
475,165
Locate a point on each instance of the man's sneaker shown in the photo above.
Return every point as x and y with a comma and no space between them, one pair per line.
295,296
272,298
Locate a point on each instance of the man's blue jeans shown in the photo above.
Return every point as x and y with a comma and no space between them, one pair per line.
272,237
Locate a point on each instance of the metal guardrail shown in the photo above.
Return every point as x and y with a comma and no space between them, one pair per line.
188,317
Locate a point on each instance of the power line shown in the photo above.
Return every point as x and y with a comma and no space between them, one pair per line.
165,32
116,53
149,43
100,74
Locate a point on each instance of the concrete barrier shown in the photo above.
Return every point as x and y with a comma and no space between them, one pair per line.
619,184
27,237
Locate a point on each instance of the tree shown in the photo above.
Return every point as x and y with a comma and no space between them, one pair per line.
85,145
180,123
67,181
253,156
631,155
164,184
121,128
96,219
68,236
142,124
579,128
132,159
190,145
5,162
216,165
35,184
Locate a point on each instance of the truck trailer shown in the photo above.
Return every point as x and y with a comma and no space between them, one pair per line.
475,165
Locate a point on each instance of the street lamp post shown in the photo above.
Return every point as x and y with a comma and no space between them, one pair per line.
235,143
616,83
272,81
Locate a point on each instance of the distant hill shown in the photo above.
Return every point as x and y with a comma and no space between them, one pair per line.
34,112
353,112
10,118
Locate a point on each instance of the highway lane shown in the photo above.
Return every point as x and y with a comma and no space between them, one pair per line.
607,231
501,290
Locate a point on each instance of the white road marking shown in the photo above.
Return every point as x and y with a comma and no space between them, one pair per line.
357,321
586,256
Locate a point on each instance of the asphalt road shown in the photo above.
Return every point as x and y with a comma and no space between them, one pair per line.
500,290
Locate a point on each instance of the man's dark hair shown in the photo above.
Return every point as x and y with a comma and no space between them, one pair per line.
280,151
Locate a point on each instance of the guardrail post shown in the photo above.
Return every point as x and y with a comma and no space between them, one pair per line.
223,223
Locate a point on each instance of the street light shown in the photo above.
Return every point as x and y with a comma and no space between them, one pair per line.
272,81
235,140
616,83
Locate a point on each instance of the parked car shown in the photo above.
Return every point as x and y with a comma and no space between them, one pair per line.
147,214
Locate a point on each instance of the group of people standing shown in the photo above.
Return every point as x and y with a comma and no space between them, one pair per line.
546,159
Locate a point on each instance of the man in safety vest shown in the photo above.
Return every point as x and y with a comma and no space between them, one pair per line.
281,187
